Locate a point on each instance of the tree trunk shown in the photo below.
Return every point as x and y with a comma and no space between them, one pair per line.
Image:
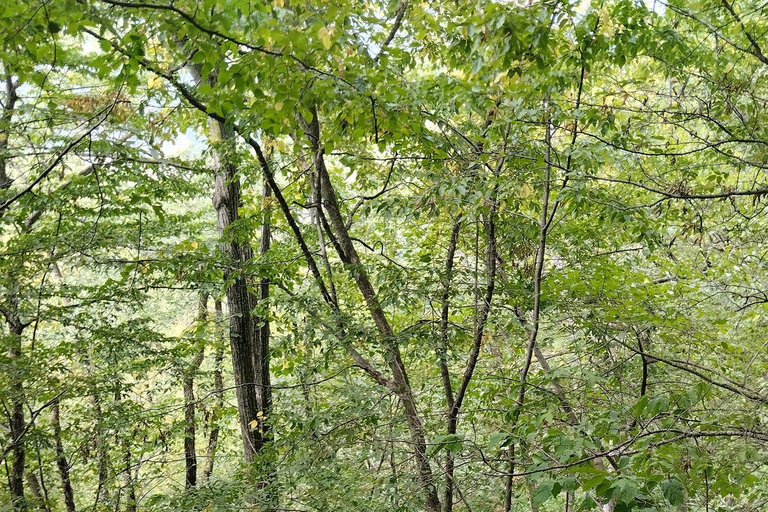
442,359
6,116
478,335
266,240
128,477
218,403
128,481
262,364
482,311
102,490
509,480
17,422
61,460
530,488
348,254
190,453
16,327
533,332
34,489
244,339
102,455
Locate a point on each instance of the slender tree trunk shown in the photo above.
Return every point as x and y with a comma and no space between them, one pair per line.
509,481
190,453
128,477
128,481
544,223
262,363
61,460
266,240
348,254
479,332
11,312
102,454
43,488
646,363
17,421
317,217
102,489
5,123
35,490
482,311
218,399
534,507
442,353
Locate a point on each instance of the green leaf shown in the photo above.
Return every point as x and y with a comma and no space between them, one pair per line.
591,483
498,440
626,490
640,405
544,491
673,491
198,57
105,46
451,442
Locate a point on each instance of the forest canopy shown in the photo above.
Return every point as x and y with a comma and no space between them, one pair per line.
344,255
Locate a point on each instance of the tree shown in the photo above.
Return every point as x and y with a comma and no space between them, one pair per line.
472,256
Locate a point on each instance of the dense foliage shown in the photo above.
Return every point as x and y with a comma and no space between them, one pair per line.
469,255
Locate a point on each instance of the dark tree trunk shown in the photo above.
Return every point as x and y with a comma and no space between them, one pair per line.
348,254
244,339
262,363
61,460
190,455
442,353
124,444
190,452
17,422
266,239
130,486
102,490
218,400
10,311
5,122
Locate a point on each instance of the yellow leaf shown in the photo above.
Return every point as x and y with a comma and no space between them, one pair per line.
499,77
325,36
194,245
253,424
527,190
279,106
154,82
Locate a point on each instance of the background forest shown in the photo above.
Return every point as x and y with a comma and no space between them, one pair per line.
344,255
